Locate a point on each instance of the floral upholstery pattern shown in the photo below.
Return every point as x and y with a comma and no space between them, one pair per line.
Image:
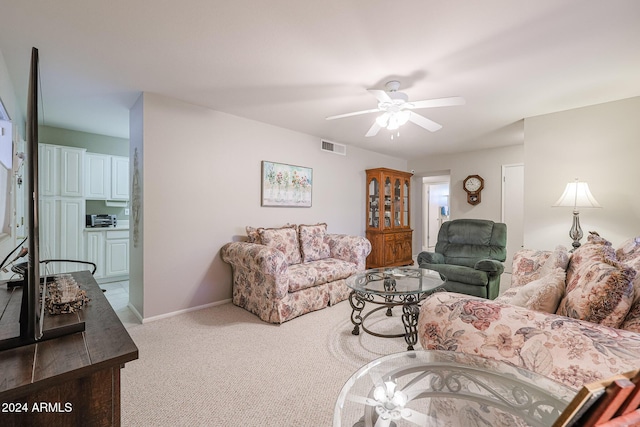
314,273
571,351
599,289
265,284
568,350
543,294
312,244
285,240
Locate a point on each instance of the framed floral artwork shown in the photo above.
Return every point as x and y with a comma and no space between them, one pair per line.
286,185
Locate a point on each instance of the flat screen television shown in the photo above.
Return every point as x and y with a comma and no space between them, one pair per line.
31,309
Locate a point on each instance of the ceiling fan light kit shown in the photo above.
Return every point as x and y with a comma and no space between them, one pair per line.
396,110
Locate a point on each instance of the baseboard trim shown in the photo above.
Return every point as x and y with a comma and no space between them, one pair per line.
176,313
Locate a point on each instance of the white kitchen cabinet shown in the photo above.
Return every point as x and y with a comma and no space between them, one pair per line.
117,253
48,166
60,226
106,177
119,178
109,250
95,245
71,172
60,170
97,176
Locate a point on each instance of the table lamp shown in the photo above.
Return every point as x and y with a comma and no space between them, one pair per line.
576,195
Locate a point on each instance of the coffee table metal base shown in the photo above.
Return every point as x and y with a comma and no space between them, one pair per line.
410,310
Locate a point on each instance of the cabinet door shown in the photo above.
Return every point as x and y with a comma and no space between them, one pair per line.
117,257
389,249
48,175
48,230
71,172
119,178
97,176
95,246
72,222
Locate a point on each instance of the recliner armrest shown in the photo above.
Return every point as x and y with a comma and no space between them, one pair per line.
430,258
490,266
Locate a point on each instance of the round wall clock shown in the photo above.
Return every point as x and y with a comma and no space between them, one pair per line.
473,185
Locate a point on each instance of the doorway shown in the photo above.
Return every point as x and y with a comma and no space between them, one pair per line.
435,208
513,209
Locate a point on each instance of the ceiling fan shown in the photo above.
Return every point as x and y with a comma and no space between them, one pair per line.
396,109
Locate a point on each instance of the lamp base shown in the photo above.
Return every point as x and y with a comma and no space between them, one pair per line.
576,231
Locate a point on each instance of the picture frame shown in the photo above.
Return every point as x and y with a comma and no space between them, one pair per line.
285,185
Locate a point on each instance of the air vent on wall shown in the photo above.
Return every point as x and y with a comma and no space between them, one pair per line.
333,147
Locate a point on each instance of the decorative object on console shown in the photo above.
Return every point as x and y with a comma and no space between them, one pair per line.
473,185
388,215
286,185
576,195
64,295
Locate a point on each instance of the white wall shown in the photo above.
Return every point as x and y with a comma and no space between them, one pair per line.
599,144
486,163
201,177
9,100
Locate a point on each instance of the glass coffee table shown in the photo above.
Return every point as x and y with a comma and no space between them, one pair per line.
443,388
388,288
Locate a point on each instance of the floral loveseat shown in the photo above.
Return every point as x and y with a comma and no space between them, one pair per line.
282,273
591,327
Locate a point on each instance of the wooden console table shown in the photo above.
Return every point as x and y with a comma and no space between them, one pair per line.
68,381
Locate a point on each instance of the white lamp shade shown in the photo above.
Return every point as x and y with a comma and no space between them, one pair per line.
577,195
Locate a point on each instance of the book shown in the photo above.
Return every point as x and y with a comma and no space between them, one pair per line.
586,397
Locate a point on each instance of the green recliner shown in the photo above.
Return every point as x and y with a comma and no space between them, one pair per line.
469,253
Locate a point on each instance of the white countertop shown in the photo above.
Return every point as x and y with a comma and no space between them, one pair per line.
121,225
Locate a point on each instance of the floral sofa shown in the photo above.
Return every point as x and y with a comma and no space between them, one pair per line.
572,317
282,273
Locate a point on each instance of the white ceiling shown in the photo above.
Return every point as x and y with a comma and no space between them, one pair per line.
291,63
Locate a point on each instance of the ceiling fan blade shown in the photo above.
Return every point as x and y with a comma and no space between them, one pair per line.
381,95
373,130
439,102
422,121
356,113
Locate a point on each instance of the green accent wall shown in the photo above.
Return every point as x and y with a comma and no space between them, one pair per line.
94,143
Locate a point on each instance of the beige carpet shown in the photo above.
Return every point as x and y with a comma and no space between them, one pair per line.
222,366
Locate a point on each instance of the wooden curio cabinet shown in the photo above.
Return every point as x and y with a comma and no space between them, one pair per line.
388,230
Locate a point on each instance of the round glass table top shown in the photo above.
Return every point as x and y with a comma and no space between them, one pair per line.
396,281
444,388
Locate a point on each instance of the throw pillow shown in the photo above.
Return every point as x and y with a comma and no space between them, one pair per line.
632,321
285,240
599,289
312,244
628,249
543,294
253,235
559,258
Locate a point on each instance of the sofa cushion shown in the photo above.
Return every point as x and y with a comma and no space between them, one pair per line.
312,244
253,233
460,273
314,273
543,294
599,289
285,240
629,254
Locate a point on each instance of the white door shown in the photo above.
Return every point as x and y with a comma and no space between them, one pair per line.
513,209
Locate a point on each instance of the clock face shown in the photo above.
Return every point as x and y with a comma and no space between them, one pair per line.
472,184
